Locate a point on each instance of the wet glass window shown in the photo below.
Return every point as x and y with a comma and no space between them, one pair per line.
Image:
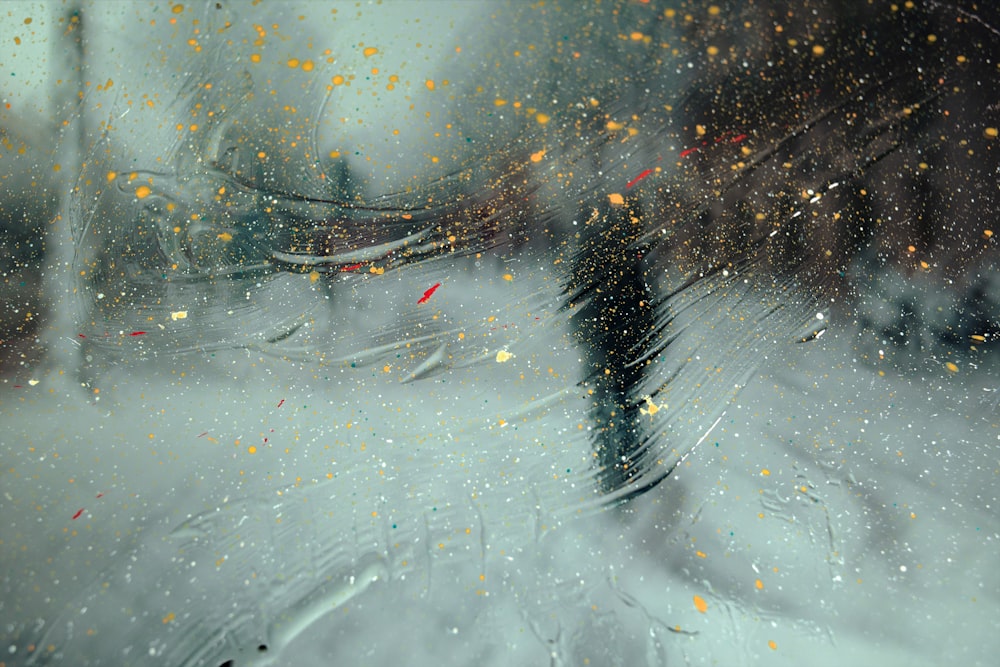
633,332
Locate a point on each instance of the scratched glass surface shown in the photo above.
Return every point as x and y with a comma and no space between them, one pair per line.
633,333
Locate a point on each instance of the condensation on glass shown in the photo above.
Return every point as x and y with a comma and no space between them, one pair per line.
500,333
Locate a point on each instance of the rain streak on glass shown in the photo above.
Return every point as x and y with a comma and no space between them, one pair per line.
626,333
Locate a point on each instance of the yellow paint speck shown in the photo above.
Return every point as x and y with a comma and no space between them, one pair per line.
508,277
653,407
504,355
991,132
171,616
543,118
225,236
700,604
818,49
765,472
178,315
951,367
251,449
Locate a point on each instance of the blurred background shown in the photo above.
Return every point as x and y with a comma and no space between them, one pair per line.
499,333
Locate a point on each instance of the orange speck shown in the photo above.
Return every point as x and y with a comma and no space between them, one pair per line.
759,584
307,65
293,62
636,36
171,616
142,192
700,554
429,83
499,102
700,604
765,472
225,236
508,277
616,199
251,449
338,80
370,51
537,157
773,645
543,118
951,367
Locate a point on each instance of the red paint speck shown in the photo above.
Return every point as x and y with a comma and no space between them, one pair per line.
202,435
644,174
100,494
688,151
281,402
80,336
352,267
138,333
77,515
427,295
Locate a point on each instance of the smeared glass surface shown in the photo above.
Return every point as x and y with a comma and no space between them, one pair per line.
500,333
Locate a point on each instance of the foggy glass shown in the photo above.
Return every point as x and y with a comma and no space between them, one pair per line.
624,333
